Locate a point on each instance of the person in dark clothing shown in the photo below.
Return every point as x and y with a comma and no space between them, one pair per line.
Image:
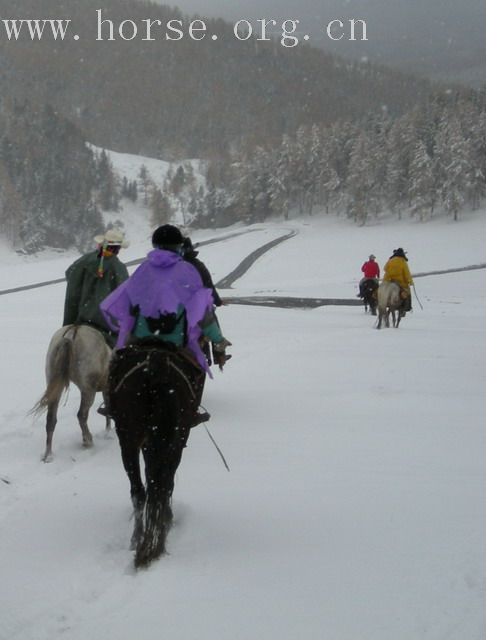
190,255
90,279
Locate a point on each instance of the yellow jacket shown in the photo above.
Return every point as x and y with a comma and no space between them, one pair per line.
396,269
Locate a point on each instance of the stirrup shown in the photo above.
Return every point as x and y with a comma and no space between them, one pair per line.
203,416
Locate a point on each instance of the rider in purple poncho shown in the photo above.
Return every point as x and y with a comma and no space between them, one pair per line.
165,300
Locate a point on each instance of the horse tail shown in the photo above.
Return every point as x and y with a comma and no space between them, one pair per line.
58,365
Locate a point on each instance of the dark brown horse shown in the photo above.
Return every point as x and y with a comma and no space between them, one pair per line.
154,392
77,354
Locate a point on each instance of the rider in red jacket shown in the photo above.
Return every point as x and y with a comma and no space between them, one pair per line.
371,271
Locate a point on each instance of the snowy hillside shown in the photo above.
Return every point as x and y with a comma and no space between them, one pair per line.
354,506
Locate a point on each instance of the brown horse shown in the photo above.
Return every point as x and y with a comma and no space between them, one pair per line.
154,392
389,302
78,354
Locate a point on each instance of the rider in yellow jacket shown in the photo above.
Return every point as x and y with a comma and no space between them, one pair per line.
396,270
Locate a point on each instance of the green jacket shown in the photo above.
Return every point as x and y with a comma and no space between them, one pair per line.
86,290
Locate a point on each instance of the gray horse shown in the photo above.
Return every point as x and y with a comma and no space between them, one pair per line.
78,354
389,302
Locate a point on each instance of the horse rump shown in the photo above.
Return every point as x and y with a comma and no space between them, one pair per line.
370,297
153,397
77,354
389,302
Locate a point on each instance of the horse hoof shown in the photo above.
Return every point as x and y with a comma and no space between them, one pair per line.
88,443
47,457
145,556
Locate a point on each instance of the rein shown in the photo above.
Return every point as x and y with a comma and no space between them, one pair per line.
132,370
183,376
146,362
217,448
414,290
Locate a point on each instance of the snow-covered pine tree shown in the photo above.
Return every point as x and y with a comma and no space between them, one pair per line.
401,142
160,207
454,155
422,184
281,180
108,193
360,180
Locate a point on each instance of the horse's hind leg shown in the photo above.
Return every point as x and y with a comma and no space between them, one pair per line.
106,401
87,399
130,453
50,426
161,460
380,319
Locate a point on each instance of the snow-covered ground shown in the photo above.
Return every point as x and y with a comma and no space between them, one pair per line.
354,509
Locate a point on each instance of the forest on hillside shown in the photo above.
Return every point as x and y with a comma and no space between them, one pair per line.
431,161
52,185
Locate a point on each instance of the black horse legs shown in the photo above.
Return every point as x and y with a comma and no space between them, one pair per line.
161,462
131,462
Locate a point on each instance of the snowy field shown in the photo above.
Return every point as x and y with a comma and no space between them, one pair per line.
354,508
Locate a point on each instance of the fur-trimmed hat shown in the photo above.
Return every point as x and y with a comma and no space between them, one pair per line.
112,237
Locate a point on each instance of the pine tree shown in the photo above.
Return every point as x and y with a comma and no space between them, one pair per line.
422,192
401,141
108,198
161,210
146,183
281,182
360,180
454,156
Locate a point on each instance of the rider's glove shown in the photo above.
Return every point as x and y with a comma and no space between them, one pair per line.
220,357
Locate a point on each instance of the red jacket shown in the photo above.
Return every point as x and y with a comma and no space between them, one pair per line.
371,269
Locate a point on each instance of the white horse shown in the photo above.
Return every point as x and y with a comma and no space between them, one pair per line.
389,301
78,354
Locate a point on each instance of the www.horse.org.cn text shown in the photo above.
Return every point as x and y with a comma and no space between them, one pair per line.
289,33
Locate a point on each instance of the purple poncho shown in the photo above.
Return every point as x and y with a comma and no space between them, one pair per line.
159,285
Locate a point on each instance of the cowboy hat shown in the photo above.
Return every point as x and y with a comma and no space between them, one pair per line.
112,237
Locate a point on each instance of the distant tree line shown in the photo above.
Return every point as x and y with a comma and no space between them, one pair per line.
428,162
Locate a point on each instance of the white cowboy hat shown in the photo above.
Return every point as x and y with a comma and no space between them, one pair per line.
112,237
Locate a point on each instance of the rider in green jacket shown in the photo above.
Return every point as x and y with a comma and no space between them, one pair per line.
91,279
